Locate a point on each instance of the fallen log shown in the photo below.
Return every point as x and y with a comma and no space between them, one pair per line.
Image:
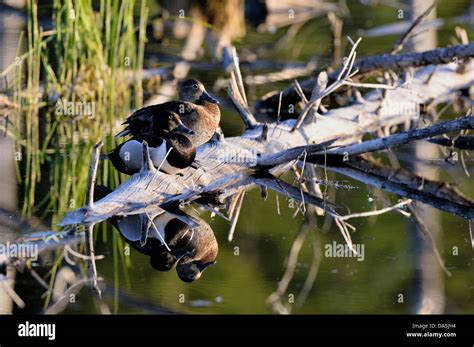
228,166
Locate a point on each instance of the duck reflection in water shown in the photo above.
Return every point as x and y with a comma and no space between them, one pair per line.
171,240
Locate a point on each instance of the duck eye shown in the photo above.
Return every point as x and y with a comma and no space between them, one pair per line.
195,86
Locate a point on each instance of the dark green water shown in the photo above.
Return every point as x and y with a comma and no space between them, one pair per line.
241,283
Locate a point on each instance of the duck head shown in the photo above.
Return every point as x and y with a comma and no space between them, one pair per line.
190,272
194,91
169,123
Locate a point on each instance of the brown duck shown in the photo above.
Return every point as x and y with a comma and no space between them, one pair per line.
191,249
196,108
201,252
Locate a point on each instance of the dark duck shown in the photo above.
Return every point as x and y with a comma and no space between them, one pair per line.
170,148
171,242
196,108
201,253
171,239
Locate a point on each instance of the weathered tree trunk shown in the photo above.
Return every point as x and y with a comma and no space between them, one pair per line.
226,167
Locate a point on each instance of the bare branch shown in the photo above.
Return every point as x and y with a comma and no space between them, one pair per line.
378,62
291,154
292,192
376,212
402,138
91,263
93,174
235,215
315,100
433,193
404,38
236,90
459,142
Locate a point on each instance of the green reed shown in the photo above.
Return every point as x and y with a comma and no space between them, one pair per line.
92,55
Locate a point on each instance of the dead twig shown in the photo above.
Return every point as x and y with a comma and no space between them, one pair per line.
235,215
378,62
402,138
377,212
315,100
406,36
93,174
92,268
236,89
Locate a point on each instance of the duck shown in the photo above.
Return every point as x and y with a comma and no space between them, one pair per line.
198,110
164,227
171,150
191,249
192,271
201,252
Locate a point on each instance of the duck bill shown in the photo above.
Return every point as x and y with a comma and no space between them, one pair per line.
184,129
205,96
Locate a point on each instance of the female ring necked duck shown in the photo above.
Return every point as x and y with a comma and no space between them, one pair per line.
192,247
192,250
170,149
196,108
